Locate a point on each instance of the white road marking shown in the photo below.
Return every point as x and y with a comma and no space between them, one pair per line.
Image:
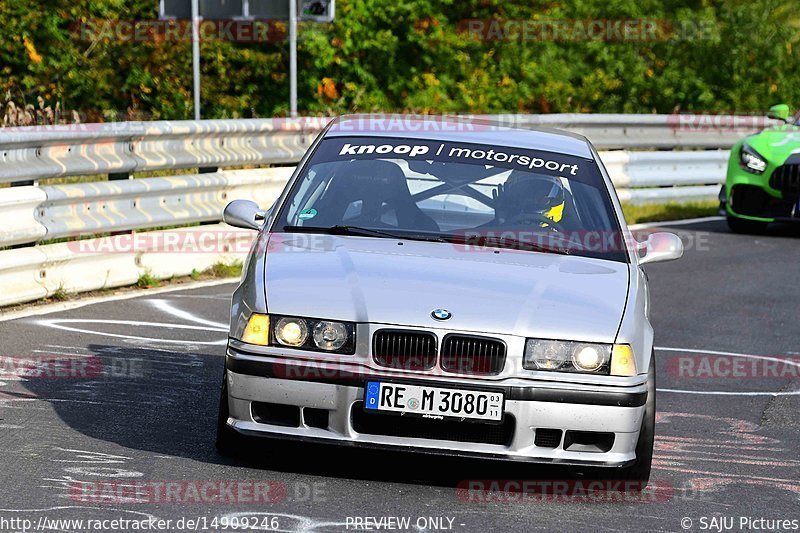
113,297
66,400
301,524
98,471
729,354
59,323
225,297
90,457
166,307
732,393
56,352
12,378
65,347
684,222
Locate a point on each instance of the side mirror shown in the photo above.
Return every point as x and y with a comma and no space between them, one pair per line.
780,112
244,214
661,246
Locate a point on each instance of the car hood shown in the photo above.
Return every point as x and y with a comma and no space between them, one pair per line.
776,144
362,279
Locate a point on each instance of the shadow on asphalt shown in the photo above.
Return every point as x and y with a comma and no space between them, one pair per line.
168,403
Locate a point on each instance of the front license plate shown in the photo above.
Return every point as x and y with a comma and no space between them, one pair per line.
434,402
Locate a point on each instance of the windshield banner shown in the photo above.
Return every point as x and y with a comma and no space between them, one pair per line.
540,162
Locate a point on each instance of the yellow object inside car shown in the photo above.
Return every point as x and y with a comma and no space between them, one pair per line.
555,213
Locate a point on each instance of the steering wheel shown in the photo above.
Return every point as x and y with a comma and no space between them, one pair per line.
537,218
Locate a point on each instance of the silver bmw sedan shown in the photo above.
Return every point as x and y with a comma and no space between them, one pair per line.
463,288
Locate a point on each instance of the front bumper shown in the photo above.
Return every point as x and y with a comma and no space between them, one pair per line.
531,406
751,197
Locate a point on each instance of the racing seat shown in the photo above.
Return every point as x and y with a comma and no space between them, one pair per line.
372,193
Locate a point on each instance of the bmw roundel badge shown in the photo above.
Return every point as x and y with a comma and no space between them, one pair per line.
440,314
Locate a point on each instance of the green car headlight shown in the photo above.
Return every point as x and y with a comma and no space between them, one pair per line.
567,356
751,161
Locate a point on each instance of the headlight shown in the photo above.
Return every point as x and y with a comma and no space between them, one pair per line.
313,334
589,358
751,161
566,356
330,335
580,357
291,331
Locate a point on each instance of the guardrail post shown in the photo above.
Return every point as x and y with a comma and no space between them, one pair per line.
119,176
208,170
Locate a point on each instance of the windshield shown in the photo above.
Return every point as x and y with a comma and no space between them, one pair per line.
470,194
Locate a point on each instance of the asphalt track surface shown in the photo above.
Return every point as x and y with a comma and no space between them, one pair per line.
726,447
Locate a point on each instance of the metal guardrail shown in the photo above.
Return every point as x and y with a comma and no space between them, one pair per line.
669,132
72,210
126,147
681,176
36,272
691,170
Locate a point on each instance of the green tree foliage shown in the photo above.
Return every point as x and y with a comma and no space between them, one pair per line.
413,55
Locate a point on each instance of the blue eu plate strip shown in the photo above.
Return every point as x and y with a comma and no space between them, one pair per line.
371,396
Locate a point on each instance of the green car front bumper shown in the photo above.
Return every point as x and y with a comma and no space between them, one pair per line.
768,197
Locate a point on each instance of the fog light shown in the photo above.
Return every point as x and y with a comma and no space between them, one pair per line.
622,361
257,330
291,331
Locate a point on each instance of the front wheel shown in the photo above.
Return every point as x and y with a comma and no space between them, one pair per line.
748,227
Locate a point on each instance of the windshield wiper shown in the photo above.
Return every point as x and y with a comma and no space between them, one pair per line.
514,244
359,231
482,241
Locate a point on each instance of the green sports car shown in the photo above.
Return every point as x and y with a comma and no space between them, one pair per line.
763,181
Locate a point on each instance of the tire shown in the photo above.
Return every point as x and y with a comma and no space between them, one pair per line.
639,471
748,227
229,443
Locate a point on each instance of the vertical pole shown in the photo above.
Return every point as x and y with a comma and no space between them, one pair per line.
293,58
196,56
